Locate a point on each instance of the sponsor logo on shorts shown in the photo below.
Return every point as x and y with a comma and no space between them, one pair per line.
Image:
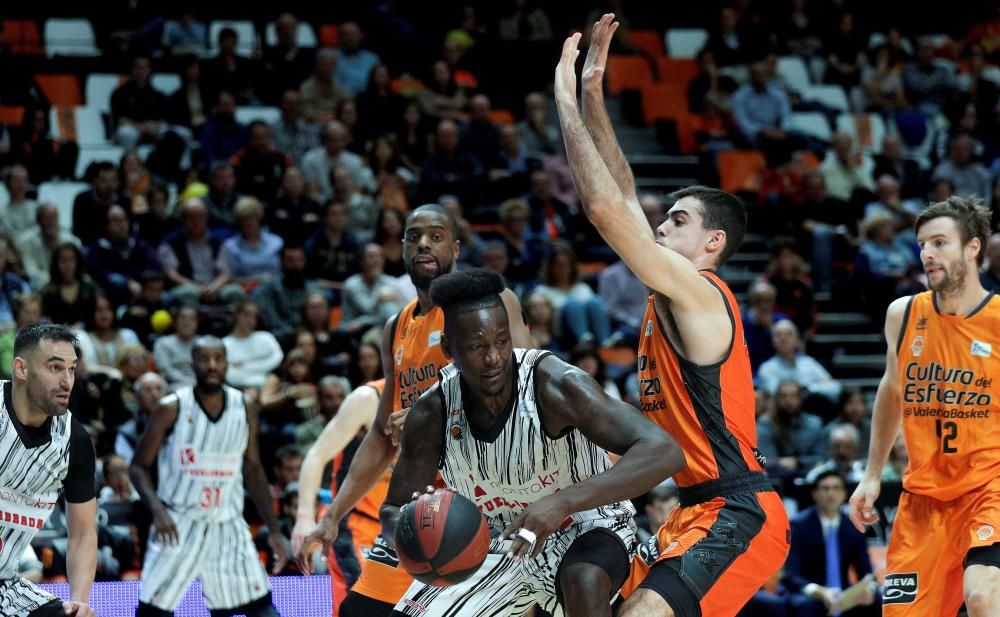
900,588
981,349
985,532
917,346
414,605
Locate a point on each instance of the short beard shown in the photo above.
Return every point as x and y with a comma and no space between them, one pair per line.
952,283
208,388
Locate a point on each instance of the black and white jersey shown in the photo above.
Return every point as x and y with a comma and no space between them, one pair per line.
518,463
37,465
200,465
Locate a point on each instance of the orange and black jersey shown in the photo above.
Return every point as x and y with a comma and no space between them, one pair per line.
417,356
708,409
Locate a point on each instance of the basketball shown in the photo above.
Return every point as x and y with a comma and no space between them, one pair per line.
442,538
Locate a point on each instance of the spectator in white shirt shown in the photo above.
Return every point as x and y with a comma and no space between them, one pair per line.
37,244
789,363
18,214
173,352
252,353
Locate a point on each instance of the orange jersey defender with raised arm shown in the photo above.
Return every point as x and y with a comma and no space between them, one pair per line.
417,358
730,517
951,424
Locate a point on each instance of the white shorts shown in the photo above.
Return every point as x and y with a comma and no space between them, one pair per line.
221,555
503,586
19,597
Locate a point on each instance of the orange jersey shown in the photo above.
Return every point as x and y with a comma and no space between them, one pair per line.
416,353
951,414
372,501
708,409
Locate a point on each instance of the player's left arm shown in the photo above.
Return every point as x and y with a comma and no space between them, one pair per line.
620,221
419,453
569,398
256,484
519,334
81,520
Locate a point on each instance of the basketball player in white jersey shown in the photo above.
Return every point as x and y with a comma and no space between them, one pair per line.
204,442
44,451
526,437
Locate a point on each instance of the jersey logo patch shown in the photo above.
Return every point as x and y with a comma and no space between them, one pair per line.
917,346
900,588
981,349
649,327
985,533
434,338
187,456
399,354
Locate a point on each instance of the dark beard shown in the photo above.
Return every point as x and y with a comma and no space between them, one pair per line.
952,282
208,388
424,282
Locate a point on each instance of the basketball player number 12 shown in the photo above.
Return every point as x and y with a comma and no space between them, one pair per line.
947,431
211,496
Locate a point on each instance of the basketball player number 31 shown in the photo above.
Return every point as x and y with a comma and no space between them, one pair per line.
947,432
211,496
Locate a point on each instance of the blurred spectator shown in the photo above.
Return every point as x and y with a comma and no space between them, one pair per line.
33,146
845,53
354,63
798,30
825,224
824,530
449,169
229,72
928,85
844,446
660,502
586,358
899,460
763,116
479,136
138,110
282,297
524,252
333,347
966,175
318,164
222,136
441,97
540,317
149,388
286,470
222,195
901,211
259,165
906,171
727,43
321,93
90,208
18,214
941,190
368,298
135,179
391,174
472,245
138,315
786,272
331,392
37,245
185,35
294,216
846,169
389,236
884,261
495,258
156,222
288,392
347,114
362,211
979,83
791,439
414,141
286,64
103,338
119,258
117,487
190,258
332,251
293,134
758,322
172,352
511,169
70,295
379,106
524,21
790,363
854,412
582,316
990,275
367,364
191,104
881,84
251,256
710,92
539,136
251,353
27,309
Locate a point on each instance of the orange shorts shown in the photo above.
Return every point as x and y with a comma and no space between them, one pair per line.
363,533
930,539
722,551
382,578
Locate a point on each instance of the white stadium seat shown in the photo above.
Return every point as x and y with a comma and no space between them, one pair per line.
685,42
70,37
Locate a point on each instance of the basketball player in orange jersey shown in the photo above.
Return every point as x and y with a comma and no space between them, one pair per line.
356,414
412,358
938,383
731,532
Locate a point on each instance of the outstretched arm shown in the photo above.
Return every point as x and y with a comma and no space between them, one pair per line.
256,486
595,115
142,461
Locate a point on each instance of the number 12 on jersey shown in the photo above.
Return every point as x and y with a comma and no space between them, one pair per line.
946,432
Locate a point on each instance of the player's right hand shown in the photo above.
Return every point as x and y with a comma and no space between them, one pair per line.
394,427
321,538
166,530
597,55
863,502
302,528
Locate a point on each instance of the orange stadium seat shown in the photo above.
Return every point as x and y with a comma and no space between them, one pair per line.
627,73
501,116
60,89
675,70
23,37
336,313
649,42
668,101
740,170
11,116
329,35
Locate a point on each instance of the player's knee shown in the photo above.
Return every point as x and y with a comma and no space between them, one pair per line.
645,603
586,586
982,602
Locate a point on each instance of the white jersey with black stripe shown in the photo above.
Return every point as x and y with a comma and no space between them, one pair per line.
200,464
518,463
31,480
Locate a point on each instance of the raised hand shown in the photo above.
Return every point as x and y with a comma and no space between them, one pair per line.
597,55
565,81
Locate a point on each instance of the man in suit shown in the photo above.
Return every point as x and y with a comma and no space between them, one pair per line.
814,583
